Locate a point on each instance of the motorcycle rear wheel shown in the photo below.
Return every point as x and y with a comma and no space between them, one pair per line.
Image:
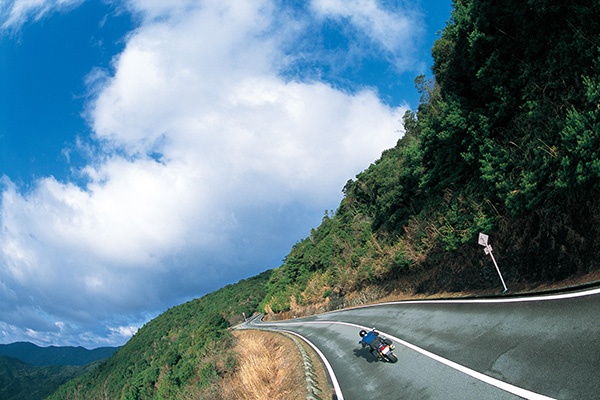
391,357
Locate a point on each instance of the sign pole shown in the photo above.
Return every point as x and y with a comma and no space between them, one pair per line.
498,269
483,240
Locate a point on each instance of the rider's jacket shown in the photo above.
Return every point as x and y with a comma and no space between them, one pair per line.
369,337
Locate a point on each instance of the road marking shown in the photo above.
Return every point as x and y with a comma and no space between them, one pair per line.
518,391
561,296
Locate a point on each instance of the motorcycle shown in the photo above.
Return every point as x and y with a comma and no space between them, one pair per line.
381,347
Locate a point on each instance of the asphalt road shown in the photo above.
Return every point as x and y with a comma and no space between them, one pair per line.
532,347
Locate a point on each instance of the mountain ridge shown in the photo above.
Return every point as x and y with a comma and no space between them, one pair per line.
23,381
39,356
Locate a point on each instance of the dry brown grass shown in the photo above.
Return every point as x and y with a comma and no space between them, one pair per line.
269,367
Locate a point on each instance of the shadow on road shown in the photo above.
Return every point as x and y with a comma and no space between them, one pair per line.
366,354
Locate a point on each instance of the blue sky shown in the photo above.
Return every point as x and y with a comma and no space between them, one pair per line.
152,152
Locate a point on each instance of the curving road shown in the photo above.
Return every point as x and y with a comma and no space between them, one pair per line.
542,347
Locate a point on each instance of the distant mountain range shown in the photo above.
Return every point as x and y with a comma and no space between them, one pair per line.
54,355
31,372
21,381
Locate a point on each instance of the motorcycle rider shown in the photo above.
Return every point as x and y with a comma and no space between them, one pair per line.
377,346
370,339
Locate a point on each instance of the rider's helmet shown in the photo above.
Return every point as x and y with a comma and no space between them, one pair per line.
362,333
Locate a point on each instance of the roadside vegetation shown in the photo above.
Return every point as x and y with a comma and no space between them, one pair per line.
505,141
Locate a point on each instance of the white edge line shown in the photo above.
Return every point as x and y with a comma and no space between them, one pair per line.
518,391
539,297
334,381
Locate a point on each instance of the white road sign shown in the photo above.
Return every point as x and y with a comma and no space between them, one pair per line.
487,249
483,239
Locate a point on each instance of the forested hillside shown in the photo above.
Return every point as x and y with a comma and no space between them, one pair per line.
179,354
30,372
505,141
20,380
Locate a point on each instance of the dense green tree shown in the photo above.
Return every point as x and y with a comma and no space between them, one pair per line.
510,74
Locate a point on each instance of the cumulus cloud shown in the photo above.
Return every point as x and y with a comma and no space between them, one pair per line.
205,159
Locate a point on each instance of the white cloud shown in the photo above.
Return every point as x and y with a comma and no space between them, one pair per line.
125,331
394,31
197,133
14,13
